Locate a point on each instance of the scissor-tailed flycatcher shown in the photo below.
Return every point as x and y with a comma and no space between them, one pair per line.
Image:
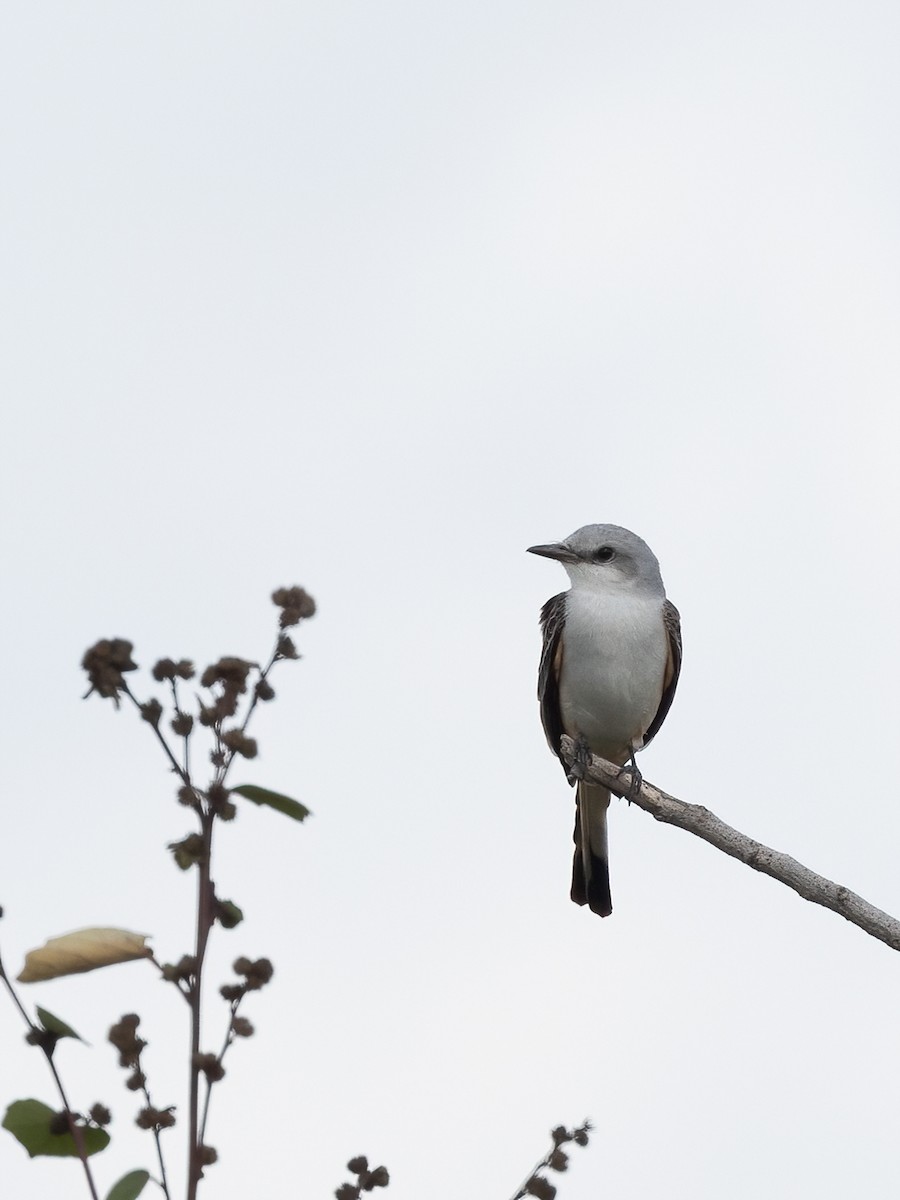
609,666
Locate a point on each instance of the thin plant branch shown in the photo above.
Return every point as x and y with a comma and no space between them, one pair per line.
176,766
186,737
556,1159
74,1128
229,1039
205,917
162,971
696,819
163,1181
274,657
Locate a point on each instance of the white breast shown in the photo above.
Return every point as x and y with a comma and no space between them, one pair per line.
615,652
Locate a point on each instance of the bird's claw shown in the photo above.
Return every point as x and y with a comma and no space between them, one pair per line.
637,779
580,760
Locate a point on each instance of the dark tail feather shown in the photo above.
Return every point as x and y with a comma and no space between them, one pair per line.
590,867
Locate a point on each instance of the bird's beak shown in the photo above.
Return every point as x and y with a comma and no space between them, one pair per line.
557,550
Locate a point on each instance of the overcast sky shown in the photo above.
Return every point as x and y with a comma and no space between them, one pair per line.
369,297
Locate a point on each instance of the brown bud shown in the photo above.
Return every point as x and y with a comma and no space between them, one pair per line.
258,974
106,662
295,604
151,711
540,1187
558,1160
166,668
210,1066
237,741
188,851
286,647
229,670
188,797
59,1123
182,724
217,794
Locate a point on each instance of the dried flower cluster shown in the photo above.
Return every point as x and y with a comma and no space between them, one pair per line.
256,975
106,664
296,605
124,1036
366,1180
537,1184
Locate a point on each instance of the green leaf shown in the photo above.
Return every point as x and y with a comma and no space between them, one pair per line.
129,1186
55,1025
282,804
29,1123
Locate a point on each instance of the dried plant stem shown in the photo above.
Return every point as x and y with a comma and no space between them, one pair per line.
163,1181
160,737
205,919
229,1038
74,1129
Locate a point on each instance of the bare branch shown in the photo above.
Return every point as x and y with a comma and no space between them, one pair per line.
696,819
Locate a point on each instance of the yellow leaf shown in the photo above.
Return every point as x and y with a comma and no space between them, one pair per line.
83,950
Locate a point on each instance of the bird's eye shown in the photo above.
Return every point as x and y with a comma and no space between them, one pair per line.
605,554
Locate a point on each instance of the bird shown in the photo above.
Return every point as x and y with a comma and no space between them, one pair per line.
610,663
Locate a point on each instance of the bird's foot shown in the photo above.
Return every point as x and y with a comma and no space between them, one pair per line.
581,759
636,778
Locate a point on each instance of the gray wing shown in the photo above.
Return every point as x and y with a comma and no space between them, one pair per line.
553,616
672,622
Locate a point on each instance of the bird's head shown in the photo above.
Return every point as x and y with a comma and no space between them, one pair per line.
605,557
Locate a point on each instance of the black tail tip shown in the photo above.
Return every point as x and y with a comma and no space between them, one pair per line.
595,891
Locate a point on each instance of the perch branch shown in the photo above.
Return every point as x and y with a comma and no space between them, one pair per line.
696,819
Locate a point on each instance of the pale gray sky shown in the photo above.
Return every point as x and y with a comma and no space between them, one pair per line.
370,297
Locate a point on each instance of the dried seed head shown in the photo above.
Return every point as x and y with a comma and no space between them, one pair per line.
295,603
182,724
558,1160
106,663
540,1187
151,711
231,672
238,742
286,647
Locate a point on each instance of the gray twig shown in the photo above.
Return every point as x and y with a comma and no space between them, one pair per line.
696,819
